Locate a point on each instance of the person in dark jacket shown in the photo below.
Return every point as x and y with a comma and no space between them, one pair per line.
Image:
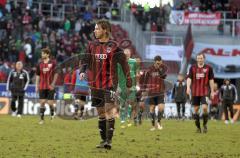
179,95
228,96
17,83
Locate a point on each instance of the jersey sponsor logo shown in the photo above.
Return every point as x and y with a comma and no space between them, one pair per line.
200,75
45,70
155,74
101,56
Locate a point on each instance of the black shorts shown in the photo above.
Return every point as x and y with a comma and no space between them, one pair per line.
47,94
156,100
100,97
197,101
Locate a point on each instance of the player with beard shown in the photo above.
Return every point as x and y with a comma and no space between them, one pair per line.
156,87
46,77
101,60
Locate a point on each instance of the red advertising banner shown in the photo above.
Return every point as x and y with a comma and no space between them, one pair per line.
195,18
206,19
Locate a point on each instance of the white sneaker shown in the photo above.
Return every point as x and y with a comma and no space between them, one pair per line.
14,114
159,127
153,129
232,121
19,116
226,122
41,122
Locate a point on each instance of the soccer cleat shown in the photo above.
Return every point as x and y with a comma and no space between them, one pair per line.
75,117
129,124
122,126
122,121
52,117
159,127
108,145
14,114
232,121
153,129
101,144
41,122
19,116
199,130
226,122
205,129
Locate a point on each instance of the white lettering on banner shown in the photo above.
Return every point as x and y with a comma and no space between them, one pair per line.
205,19
32,108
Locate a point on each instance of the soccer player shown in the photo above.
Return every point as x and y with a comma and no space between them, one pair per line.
179,95
200,76
228,95
17,83
140,96
128,101
80,90
101,59
214,103
155,86
46,77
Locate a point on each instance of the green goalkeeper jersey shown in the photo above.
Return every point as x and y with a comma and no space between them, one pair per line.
133,66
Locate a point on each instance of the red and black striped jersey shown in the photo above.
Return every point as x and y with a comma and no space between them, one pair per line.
46,73
101,60
155,79
200,77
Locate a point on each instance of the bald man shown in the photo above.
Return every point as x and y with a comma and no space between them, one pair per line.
17,83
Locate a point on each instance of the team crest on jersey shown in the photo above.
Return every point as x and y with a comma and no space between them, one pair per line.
109,49
205,70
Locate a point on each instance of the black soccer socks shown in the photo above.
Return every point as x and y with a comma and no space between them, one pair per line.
102,128
110,130
160,115
205,119
197,120
153,118
42,110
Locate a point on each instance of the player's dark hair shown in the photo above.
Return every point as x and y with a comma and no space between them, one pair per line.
105,25
157,58
199,54
46,51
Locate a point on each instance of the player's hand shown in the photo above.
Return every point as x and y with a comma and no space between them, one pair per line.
212,95
82,76
138,88
51,87
188,91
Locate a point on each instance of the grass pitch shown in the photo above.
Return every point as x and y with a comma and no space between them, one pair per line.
25,138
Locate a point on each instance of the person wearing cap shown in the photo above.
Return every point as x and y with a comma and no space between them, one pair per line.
228,96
